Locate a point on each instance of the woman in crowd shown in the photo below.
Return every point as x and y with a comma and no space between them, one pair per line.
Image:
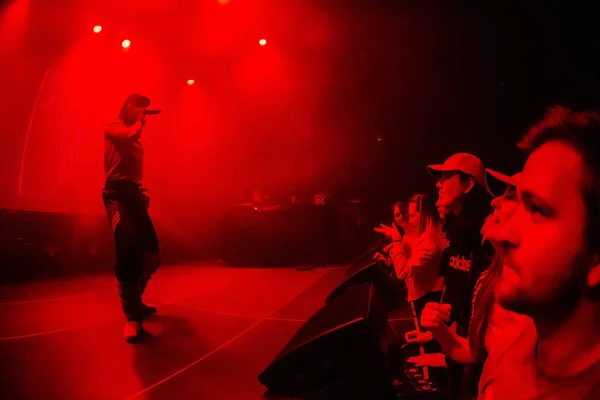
416,257
465,201
463,197
396,230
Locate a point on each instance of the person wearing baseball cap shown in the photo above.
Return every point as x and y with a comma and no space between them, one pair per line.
503,189
133,107
465,166
463,197
490,322
550,254
126,202
462,194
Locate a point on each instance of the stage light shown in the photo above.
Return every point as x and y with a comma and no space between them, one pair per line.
190,82
97,29
262,42
223,1
126,43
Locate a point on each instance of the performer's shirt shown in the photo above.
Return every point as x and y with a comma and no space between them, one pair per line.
123,155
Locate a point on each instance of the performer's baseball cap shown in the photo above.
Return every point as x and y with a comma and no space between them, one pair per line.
138,100
496,182
463,162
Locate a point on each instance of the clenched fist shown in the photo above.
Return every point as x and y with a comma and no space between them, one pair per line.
435,316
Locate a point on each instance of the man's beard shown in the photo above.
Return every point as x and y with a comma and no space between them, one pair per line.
559,304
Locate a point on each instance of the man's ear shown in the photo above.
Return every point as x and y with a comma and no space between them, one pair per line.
593,279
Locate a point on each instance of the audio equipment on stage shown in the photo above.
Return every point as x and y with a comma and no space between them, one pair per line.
340,352
390,289
410,381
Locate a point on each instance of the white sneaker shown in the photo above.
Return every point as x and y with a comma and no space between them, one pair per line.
133,331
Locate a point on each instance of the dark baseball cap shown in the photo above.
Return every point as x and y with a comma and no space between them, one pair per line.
138,100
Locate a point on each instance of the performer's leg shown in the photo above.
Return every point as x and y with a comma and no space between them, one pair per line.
150,253
127,267
147,309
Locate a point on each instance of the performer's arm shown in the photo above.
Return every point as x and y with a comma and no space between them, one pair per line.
121,132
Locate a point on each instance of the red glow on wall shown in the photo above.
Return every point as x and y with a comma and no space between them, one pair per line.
14,24
213,135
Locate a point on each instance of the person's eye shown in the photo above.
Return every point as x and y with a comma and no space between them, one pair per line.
536,210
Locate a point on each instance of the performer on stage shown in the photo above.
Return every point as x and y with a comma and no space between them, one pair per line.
126,202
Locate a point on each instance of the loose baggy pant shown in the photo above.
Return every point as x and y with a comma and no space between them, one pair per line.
136,243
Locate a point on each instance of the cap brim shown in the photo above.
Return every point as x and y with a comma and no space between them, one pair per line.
437,170
138,100
496,182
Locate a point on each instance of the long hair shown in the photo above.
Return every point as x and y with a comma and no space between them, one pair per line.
430,222
483,303
476,206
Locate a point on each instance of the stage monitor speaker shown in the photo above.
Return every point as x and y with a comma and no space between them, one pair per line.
391,290
340,352
367,257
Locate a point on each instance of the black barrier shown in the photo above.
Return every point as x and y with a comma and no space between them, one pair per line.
340,352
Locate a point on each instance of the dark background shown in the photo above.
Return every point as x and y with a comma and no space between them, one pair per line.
302,114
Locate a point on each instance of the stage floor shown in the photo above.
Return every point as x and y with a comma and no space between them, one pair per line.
216,329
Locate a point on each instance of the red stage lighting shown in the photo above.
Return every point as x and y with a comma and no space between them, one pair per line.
97,29
126,43
190,82
262,42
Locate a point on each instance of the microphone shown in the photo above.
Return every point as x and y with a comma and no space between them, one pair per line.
151,112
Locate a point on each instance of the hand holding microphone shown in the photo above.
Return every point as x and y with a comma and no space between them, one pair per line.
143,112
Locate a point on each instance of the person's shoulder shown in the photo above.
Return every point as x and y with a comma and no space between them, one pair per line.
423,239
113,126
425,242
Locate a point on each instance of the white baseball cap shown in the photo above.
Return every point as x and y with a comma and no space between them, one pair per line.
463,162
